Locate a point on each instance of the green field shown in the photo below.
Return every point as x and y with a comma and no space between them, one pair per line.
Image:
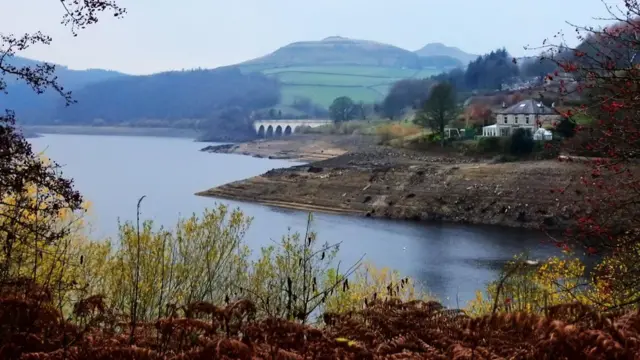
323,83
324,95
300,78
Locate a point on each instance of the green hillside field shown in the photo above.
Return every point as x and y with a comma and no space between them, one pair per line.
323,83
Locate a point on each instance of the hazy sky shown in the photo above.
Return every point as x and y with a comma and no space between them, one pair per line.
159,35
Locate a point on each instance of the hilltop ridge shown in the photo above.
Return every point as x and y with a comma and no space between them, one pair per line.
21,98
440,49
338,50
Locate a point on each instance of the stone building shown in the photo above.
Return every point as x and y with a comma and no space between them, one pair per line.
527,114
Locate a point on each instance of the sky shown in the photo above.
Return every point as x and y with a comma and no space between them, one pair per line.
161,35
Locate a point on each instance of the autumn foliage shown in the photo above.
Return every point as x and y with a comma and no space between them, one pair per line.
159,294
604,72
31,328
605,69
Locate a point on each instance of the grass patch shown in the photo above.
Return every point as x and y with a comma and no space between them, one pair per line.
582,119
324,95
332,79
396,133
323,83
425,73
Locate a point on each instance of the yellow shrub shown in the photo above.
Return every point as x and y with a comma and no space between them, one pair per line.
43,245
202,259
533,288
369,281
388,132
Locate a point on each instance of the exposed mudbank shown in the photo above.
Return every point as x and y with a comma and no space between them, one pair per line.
398,184
306,148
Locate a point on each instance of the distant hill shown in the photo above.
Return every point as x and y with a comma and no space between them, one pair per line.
29,106
69,78
338,50
335,66
439,49
299,79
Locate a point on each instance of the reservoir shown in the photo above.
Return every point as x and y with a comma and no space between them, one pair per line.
113,172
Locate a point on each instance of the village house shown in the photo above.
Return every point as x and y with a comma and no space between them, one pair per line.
527,114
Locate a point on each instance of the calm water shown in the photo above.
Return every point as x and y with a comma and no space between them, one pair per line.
113,172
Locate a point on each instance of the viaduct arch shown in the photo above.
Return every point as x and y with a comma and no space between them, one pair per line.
274,128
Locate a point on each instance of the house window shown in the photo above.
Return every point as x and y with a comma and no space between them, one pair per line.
504,132
516,119
526,119
505,119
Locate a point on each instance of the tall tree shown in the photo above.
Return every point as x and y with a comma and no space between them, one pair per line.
539,67
607,212
488,72
343,109
27,184
407,93
491,71
439,109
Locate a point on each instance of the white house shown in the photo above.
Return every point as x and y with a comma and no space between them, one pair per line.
527,114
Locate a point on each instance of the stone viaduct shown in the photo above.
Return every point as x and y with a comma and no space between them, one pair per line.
272,128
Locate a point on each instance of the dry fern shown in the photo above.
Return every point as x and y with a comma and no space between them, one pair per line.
32,329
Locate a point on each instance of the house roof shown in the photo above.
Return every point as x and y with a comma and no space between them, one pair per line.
528,107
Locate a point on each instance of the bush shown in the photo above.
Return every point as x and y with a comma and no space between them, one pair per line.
566,128
521,143
532,288
490,144
367,282
536,287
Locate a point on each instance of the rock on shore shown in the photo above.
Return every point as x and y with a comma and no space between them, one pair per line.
412,186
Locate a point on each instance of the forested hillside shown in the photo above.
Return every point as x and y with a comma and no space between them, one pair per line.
169,97
489,72
297,80
31,107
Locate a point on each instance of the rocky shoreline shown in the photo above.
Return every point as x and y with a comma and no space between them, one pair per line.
306,148
401,184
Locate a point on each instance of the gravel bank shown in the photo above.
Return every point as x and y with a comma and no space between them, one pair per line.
391,183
